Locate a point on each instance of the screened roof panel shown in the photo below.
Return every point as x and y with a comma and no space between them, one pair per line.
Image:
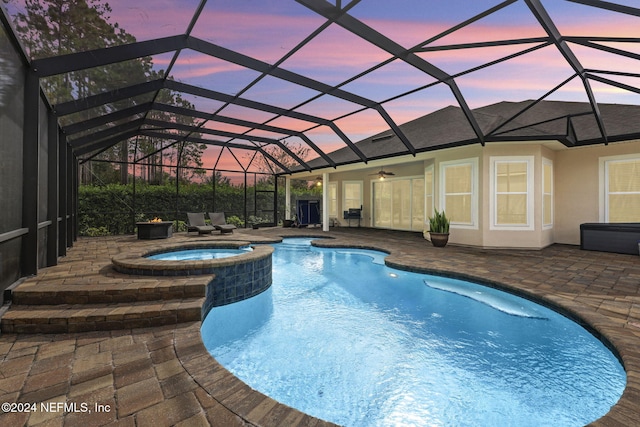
75,112
594,59
525,77
148,20
200,103
329,107
326,139
333,75
335,55
225,127
165,116
461,61
417,21
262,30
75,132
388,81
294,124
509,23
618,93
363,125
240,112
280,92
575,19
211,73
420,103
266,134
92,81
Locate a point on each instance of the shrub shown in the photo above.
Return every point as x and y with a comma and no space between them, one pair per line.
96,232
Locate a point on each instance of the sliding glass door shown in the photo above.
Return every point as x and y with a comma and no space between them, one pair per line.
399,204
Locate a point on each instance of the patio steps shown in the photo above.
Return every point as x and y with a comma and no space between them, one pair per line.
68,318
135,288
104,302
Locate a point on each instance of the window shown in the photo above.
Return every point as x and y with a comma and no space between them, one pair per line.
399,203
332,191
512,193
621,188
547,193
458,195
351,195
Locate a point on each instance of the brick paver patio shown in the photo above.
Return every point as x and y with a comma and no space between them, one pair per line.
162,375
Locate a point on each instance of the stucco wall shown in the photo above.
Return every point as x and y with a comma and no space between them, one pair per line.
577,187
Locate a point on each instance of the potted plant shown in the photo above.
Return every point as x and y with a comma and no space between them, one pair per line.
439,229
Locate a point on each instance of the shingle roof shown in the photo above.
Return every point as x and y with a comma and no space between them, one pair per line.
571,123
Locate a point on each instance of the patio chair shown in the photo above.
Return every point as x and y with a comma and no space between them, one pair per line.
195,222
219,221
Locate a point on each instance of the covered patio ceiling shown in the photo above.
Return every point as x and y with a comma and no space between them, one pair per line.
265,77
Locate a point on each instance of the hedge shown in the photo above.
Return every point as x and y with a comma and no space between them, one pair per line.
109,209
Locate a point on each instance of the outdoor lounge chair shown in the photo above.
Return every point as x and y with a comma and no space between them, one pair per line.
195,222
219,221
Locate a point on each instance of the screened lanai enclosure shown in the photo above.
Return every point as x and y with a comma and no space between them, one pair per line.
117,112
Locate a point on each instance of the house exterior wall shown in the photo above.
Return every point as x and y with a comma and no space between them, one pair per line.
576,189
578,186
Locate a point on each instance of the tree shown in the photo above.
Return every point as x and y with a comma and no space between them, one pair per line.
264,165
57,27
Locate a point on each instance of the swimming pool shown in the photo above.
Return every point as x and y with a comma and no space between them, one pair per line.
346,339
200,254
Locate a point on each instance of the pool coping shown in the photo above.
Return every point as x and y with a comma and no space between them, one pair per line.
134,261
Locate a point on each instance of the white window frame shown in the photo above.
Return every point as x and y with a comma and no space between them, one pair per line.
428,213
474,191
604,181
344,193
529,161
548,162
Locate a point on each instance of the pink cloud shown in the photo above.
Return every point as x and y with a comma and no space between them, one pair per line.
186,69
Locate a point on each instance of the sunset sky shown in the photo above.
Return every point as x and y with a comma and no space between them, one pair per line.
267,29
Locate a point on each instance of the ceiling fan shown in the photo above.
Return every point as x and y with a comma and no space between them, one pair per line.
382,174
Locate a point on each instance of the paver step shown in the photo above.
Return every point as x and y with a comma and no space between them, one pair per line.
66,318
132,290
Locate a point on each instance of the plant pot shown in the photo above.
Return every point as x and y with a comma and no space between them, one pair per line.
287,223
439,240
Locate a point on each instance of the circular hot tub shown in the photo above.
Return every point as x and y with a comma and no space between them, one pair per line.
239,270
200,254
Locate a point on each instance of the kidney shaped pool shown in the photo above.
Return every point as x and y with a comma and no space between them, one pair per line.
342,337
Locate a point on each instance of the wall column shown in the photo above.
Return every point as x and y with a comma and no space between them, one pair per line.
287,197
52,191
63,177
30,171
325,202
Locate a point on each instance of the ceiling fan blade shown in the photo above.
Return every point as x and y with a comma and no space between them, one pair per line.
382,172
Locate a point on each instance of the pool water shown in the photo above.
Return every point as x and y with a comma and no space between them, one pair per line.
199,254
344,338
